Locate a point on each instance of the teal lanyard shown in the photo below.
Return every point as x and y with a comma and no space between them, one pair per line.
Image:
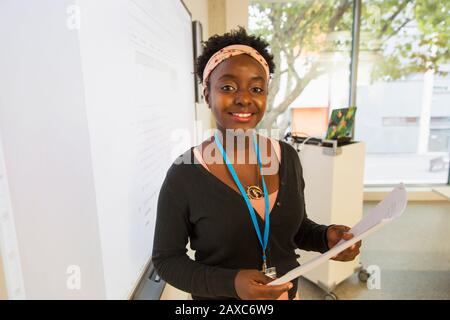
247,200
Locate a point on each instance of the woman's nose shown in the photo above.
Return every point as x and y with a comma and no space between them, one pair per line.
243,98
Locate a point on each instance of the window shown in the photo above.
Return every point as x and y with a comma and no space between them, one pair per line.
403,94
311,44
403,88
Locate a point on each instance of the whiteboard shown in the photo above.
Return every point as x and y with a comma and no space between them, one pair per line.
97,100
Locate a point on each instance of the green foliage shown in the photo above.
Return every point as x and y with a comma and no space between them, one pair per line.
298,23
401,37
413,36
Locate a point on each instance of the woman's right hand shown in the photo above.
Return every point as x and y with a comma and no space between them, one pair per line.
252,285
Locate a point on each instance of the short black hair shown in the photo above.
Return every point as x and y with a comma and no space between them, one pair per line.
236,36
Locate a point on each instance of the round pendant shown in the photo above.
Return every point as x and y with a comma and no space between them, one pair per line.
254,192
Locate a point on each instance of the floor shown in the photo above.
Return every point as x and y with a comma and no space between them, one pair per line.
413,254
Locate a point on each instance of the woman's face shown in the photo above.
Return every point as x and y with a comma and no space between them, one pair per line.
237,93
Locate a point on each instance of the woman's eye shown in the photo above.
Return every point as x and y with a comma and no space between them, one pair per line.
257,90
227,88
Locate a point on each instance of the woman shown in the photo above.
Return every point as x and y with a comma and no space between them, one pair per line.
240,200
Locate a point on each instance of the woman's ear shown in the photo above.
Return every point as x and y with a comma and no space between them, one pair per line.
206,95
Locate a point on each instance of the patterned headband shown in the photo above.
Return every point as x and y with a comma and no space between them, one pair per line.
228,52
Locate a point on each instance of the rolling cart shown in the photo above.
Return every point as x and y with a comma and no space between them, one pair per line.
334,188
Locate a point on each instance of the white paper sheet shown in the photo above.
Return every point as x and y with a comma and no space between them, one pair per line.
390,208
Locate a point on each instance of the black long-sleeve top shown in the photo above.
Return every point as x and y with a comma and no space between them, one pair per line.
195,205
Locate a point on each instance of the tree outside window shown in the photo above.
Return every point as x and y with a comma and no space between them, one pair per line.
399,40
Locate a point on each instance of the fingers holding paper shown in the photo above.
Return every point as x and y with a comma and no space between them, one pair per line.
252,285
337,233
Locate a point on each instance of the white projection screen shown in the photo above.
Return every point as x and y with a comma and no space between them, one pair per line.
96,101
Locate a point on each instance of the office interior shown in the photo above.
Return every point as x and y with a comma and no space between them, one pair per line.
390,60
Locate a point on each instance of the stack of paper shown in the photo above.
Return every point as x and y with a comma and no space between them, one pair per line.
390,208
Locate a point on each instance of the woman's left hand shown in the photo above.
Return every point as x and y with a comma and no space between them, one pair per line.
334,235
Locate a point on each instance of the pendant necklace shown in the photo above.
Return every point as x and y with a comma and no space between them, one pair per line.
254,191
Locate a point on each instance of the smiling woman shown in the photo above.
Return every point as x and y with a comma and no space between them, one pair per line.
246,215
238,93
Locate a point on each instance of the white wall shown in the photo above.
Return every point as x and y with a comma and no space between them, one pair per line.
236,13
199,11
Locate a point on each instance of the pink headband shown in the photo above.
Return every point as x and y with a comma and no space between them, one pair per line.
228,52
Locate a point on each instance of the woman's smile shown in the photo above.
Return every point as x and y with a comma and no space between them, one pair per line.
237,93
241,117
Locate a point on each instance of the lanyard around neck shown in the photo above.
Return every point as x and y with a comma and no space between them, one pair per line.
262,241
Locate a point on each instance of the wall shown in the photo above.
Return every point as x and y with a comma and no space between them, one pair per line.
225,15
236,13
199,11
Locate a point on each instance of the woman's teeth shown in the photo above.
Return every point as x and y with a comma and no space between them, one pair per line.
242,115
